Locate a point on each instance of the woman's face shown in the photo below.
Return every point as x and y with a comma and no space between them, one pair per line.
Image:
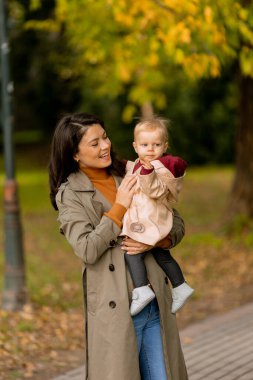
94,149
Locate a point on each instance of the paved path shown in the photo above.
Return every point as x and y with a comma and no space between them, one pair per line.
218,348
221,347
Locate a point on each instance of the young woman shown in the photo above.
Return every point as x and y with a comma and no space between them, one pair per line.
88,190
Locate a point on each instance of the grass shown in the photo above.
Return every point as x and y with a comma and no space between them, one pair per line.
204,196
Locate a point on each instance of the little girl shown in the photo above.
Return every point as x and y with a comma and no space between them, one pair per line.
149,218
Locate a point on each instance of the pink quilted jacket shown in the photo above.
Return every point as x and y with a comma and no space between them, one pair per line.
149,217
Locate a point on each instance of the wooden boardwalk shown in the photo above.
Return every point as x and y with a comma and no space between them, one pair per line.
218,348
221,347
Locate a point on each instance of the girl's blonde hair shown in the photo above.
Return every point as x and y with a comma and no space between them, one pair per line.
153,124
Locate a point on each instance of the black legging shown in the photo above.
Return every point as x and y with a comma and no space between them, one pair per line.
163,258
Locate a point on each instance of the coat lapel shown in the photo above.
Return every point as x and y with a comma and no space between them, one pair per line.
79,182
97,205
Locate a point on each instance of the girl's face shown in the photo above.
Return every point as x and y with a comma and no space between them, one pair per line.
94,149
149,145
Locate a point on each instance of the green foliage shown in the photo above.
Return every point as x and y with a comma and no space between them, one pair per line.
63,61
203,118
143,39
40,94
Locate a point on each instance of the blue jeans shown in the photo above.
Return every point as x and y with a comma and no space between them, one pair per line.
149,340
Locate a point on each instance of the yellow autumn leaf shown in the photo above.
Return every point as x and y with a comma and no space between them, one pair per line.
186,36
34,4
128,113
208,13
215,67
153,59
179,56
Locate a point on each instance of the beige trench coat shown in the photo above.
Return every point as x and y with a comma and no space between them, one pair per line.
111,348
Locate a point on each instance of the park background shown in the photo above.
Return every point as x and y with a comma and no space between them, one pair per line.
189,61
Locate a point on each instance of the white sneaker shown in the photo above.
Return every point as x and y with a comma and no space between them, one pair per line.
180,295
140,298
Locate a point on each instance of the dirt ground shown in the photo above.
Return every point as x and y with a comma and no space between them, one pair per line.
41,350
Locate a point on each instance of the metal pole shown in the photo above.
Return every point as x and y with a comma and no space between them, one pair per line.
14,293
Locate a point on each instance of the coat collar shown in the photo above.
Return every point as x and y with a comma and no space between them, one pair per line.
80,182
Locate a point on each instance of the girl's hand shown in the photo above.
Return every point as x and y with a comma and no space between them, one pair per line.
126,190
133,247
146,164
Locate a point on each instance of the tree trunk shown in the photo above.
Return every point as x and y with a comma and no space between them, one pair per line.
242,189
147,110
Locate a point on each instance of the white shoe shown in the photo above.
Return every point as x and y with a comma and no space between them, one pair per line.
140,298
180,295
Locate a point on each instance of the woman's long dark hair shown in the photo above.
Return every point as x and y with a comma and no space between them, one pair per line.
67,136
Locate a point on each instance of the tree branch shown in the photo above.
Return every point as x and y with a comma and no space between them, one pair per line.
165,7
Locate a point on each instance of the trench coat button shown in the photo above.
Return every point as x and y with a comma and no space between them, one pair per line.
112,243
112,304
166,280
111,267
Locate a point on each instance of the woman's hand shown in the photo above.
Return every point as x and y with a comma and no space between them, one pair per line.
133,247
126,190
165,243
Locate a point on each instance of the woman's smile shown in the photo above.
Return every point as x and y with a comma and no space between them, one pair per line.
105,156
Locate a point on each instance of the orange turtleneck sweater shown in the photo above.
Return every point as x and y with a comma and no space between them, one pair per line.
105,183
